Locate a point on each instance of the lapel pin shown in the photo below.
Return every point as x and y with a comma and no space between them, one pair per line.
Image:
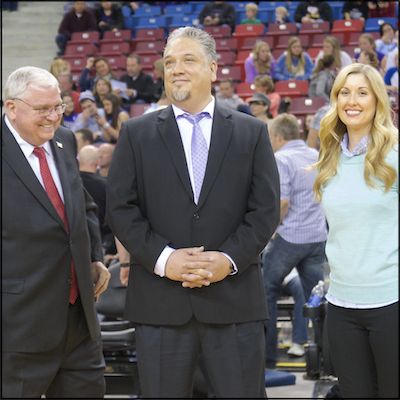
60,145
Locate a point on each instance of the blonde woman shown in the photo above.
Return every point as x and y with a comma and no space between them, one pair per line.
259,62
357,183
331,46
293,63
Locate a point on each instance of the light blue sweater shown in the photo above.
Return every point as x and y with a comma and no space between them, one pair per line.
362,245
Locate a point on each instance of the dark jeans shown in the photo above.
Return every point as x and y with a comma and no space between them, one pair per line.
61,41
279,258
364,350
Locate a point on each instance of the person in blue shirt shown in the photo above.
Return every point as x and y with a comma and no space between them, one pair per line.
293,63
357,183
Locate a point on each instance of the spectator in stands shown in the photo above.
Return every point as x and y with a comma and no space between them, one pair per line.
281,15
355,10
391,77
114,117
379,9
313,11
305,127
78,19
259,62
264,84
83,137
109,17
294,63
367,42
227,95
217,13
140,85
106,151
90,116
322,77
259,107
387,41
369,57
359,158
59,66
331,46
100,67
388,60
158,78
299,240
66,84
313,132
101,87
251,14
69,115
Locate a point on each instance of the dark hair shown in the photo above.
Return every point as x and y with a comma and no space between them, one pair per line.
383,25
116,104
87,134
326,61
136,57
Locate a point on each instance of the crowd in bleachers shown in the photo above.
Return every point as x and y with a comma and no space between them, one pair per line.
274,57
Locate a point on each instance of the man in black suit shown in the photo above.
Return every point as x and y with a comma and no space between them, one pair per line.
195,284
52,266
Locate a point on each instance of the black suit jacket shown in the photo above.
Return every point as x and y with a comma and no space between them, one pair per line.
150,205
37,251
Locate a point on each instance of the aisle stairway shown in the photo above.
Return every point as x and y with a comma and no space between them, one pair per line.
28,35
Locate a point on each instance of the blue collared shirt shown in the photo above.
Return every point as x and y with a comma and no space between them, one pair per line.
360,148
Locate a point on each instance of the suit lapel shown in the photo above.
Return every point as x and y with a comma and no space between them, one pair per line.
169,132
220,138
16,160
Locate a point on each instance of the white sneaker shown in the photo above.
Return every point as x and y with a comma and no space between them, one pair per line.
296,350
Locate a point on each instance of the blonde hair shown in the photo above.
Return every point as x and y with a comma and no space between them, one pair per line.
299,68
262,67
283,10
252,7
59,66
265,81
382,138
332,40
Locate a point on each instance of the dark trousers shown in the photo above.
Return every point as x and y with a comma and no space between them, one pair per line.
232,356
364,349
75,369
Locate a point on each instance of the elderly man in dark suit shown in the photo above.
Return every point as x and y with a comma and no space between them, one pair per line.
193,194
52,266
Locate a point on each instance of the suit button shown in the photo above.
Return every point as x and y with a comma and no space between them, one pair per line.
196,216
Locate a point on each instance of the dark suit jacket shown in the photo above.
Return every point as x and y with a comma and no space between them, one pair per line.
150,205
37,251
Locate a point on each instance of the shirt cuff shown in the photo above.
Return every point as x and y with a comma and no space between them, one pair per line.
235,270
159,269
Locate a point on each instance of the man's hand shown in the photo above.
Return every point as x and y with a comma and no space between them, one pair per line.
213,262
124,275
185,262
100,276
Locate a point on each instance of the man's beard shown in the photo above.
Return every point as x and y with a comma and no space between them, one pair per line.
180,94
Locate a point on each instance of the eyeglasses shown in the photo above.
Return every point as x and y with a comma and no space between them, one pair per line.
45,112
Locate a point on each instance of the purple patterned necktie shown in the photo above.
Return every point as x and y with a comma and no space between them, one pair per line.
199,150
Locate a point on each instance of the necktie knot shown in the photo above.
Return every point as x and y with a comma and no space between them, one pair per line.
39,153
195,118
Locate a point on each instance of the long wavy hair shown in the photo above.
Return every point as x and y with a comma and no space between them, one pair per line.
334,42
262,67
382,138
299,68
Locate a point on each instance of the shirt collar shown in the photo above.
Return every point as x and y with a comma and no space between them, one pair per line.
295,143
361,147
26,147
209,108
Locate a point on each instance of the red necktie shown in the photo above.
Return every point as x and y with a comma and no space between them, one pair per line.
58,204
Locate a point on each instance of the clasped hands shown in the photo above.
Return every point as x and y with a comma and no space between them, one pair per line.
195,267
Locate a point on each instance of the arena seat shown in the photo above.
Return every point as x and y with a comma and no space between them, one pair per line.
244,89
124,35
149,34
292,88
226,57
177,9
289,28
226,44
148,11
115,49
246,30
146,47
85,37
304,105
219,31
346,27
147,60
249,42
81,49
373,24
233,72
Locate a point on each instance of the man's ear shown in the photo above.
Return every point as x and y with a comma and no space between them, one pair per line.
10,109
214,68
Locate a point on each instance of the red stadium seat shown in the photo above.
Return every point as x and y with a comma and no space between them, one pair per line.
277,53
313,52
346,27
249,42
138,109
156,47
241,56
123,35
84,37
219,31
318,39
226,57
292,88
282,41
77,63
304,106
244,89
353,38
282,29
246,30
315,27
226,43
80,49
147,60
232,72
149,34
117,62
115,49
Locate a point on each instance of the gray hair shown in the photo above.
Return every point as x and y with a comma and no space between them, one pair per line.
286,126
202,37
19,81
